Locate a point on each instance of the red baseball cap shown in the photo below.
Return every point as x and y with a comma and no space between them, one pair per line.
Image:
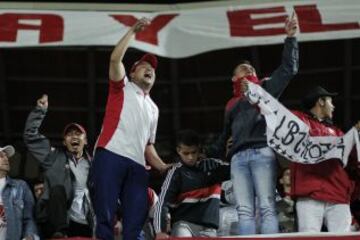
149,58
72,126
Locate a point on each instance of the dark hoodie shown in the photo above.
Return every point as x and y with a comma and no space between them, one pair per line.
243,122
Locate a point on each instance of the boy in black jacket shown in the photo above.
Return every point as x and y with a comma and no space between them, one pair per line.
191,192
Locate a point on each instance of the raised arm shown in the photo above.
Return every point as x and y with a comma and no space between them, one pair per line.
37,144
116,68
289,63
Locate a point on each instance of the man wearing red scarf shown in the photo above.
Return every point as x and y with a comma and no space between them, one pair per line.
253,163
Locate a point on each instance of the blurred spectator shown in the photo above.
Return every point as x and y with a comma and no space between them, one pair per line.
285,205
38,189
64,209
191,192
16,203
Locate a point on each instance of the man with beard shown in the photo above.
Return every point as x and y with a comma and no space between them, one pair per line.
126,139
253,164
64,207
16,203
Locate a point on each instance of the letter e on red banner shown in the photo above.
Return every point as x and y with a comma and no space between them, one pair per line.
242,24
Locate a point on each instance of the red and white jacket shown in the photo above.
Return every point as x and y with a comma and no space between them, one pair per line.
326,181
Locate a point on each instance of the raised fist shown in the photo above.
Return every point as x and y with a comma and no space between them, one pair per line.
43,102
141,24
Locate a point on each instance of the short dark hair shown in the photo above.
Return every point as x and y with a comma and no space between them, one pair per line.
188,137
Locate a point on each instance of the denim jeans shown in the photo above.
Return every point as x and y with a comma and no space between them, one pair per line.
253,172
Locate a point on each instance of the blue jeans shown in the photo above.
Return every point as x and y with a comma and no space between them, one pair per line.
253,172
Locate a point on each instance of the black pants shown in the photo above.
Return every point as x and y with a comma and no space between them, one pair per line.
57,221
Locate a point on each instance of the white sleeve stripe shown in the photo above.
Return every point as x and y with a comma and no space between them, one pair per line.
165,186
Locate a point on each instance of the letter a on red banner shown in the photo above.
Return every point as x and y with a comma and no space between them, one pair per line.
51,28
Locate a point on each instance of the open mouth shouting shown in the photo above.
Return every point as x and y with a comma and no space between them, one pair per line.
148,75
75,143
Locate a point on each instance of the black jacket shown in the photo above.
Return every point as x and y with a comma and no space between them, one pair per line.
191,194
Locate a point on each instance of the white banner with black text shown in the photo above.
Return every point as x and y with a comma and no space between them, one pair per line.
289,136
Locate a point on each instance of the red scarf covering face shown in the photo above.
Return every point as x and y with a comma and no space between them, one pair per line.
237,84
237,94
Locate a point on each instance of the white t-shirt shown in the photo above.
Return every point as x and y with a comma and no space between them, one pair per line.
3,224
130,121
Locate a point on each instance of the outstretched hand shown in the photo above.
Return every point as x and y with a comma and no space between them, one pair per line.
291,25
43,102
141,24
